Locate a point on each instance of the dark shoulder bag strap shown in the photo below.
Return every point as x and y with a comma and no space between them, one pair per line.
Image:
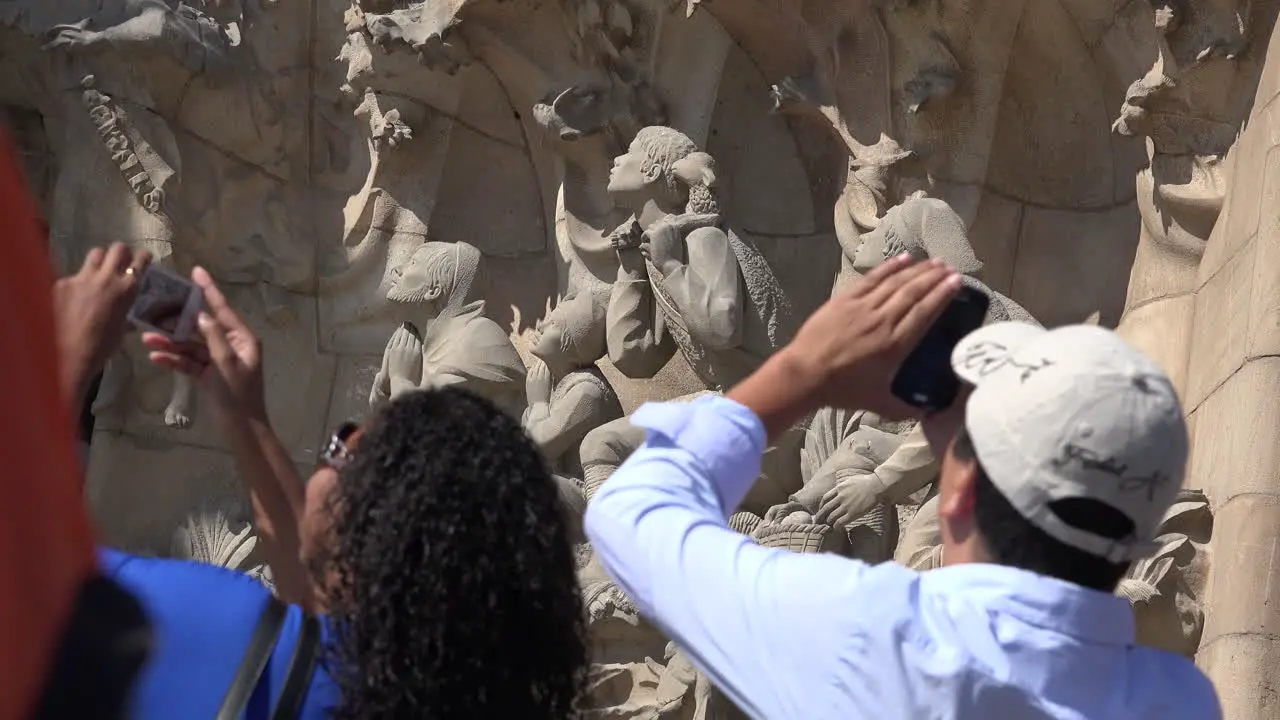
255,661
301,669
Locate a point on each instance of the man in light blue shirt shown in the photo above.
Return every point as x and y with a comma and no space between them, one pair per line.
1059,460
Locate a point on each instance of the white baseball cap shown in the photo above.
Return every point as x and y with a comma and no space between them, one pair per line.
1074,412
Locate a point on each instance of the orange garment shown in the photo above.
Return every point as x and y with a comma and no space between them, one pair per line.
46,544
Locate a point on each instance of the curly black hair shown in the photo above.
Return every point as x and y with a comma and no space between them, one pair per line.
456,594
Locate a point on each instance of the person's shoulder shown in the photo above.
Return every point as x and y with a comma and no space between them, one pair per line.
895,584
149,575
1176,684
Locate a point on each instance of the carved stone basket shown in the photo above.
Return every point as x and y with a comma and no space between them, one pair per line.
799,538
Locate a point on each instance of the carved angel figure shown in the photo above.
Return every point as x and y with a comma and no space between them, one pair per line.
449,340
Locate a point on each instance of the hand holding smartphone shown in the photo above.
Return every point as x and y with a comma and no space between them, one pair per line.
926,380
167,304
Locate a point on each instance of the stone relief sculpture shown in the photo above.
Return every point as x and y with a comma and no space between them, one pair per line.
1167,589
843,450
688,282
714,292
452,342
108,121
590,122
929,228
192,36
167,125
583,123
857,467
146,183
418,27
568,397
140,144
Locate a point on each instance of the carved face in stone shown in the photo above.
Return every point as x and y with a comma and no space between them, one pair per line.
630,174
429,275
925,228
646,171
886,241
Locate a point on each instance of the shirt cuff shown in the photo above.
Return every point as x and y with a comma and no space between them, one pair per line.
726,438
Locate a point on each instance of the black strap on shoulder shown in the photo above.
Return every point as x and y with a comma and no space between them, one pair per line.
255,661
302,667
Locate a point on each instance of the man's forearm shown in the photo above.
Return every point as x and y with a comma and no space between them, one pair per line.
781,393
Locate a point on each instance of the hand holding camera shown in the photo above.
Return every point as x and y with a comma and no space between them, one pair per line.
222,354
91,309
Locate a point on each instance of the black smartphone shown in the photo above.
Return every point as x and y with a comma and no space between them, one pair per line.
167,304
926,380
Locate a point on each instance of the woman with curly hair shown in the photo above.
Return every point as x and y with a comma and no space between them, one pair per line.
431,543
452,586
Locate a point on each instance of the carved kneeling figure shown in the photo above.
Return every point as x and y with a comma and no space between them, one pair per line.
452,342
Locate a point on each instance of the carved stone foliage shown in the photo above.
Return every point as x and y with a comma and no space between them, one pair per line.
208,536
1167,589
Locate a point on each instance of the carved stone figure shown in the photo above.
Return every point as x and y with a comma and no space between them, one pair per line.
449,340
568,397
712,291
928,228
623,680
585,123
841,450
875,466
708,290
192,36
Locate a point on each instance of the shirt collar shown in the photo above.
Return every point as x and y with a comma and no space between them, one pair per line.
1038,600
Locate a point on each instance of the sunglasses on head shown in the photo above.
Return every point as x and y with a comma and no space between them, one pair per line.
340,450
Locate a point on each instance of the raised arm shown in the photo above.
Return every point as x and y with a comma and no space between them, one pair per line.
89,316
228,367
741,611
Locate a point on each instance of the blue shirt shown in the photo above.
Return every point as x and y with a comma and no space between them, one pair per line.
786,635
203,617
